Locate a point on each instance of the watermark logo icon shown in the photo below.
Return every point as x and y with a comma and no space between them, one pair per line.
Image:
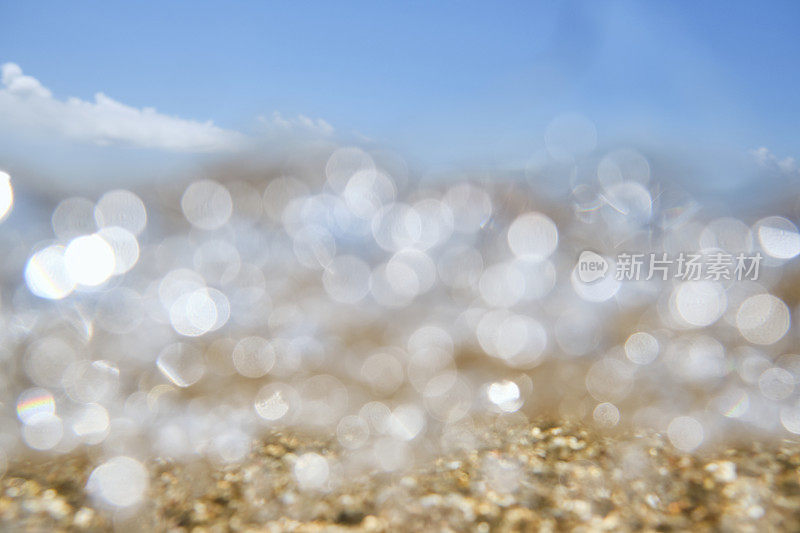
591,266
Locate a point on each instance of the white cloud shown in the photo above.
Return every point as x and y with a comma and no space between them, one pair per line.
765,158
300,123
27,105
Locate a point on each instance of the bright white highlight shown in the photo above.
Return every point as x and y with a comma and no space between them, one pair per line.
121,481
311,471
46,274
533,236
89,260
6,195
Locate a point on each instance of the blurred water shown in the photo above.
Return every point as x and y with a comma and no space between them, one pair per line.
335,292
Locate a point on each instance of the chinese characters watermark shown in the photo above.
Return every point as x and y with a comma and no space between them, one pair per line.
662,266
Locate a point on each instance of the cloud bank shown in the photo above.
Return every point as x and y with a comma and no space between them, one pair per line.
767,159
25,104
300,123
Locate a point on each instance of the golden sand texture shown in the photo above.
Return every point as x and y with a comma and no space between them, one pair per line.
519,477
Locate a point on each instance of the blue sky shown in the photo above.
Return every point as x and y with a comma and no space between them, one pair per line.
443,83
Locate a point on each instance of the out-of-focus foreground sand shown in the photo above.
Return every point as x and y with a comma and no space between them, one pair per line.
520,476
